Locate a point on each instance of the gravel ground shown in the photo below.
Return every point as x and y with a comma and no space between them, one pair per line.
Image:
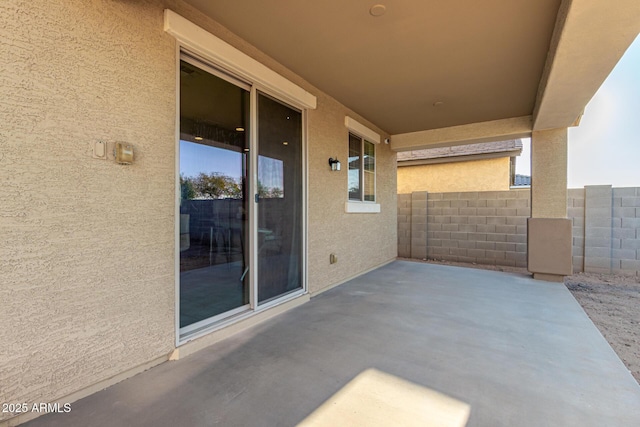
613,304
611,301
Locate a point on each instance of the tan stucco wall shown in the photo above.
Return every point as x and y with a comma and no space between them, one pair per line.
476,175
360,241
87,260
549,157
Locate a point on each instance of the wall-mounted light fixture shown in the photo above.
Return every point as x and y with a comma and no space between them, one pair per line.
121,152
124,153
334,163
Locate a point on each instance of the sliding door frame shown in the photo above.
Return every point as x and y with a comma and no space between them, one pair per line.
186,334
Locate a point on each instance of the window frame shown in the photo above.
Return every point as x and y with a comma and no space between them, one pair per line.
362,171
365,134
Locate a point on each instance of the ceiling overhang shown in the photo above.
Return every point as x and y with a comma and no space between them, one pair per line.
496,130
589,39
424,64
443,73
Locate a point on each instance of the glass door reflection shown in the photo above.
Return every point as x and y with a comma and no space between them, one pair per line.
279,211
214,238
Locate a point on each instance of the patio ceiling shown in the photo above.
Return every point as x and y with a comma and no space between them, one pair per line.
425,65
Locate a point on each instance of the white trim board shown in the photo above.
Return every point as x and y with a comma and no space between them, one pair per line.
361,130
361,207
210,47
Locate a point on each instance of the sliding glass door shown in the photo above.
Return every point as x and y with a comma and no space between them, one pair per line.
213,194
280,199
229,179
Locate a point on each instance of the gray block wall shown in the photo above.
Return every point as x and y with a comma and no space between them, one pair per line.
597,229
419,225
404,225
609,241
479,227
491,227
575,211
625,233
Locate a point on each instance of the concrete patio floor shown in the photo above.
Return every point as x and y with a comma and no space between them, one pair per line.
519,352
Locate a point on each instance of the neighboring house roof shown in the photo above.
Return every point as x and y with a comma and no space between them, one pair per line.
460,153
522,180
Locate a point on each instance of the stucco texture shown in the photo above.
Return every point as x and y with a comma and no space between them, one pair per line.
474,175
549,158
360,241
88,251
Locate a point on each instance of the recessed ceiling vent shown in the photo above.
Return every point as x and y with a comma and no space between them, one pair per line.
377,10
